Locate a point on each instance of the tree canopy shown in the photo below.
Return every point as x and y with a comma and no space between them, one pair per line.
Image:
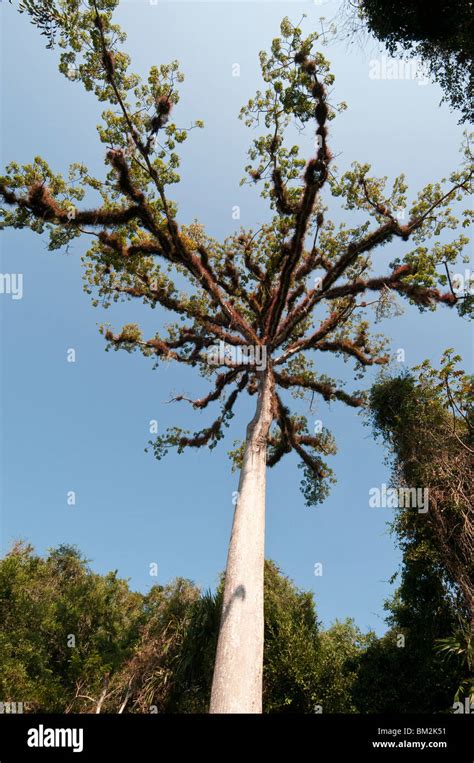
284,293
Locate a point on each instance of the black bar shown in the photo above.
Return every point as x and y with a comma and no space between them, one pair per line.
159,737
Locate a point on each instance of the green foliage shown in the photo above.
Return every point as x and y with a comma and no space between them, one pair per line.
340,649
303,667
459,648
315,490
401,672
306,669
152,679
291,632
43,602
425,417
153,652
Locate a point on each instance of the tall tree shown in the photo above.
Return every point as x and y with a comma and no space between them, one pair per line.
260,302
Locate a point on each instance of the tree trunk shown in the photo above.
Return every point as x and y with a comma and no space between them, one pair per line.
237,681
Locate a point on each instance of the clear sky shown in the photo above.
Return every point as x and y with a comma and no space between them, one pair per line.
83,426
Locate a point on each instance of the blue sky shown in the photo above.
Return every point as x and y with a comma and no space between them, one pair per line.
83,426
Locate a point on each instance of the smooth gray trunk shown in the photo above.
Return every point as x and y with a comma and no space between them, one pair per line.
237,681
